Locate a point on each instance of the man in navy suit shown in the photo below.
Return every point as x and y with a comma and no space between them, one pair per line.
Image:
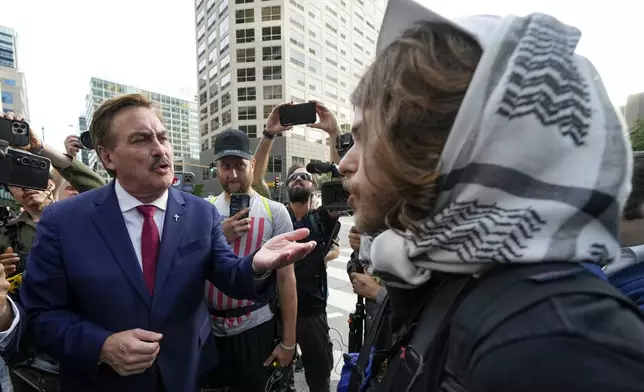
114,289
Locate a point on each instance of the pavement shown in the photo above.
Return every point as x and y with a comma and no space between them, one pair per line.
341,302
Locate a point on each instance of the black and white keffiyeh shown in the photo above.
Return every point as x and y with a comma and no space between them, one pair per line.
537,165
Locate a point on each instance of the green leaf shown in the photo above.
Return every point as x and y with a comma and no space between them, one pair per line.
637,135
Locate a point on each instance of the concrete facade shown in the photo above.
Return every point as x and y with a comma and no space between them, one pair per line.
253,55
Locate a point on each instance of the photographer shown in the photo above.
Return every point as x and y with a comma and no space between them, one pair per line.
327,123
17,237
312,326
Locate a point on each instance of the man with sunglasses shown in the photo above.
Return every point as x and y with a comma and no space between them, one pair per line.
312,291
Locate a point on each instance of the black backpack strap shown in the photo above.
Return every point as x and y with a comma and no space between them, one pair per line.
360,367
236,312
427,346
501,295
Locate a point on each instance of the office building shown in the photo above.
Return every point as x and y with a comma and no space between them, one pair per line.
8,48
634,109
253,55
179,118
13,87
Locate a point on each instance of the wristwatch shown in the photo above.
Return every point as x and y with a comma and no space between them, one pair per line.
268,135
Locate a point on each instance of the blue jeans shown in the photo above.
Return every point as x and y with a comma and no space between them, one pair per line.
5,380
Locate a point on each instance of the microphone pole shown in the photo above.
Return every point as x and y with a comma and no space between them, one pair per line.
356,321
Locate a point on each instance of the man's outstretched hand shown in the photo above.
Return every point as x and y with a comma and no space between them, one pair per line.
282,250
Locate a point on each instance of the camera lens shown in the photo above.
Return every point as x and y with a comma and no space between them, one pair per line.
42,165
17,128
86,141
25,161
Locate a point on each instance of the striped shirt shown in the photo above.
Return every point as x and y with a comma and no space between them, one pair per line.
268,219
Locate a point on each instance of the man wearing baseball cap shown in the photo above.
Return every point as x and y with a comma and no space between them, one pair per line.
246,331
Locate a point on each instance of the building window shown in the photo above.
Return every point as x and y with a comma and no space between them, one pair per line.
7,98
225,99
226,118
271,13
297,58
9,82
245,36
223,27
298,161
224,44
225,81
267,110
297,76
214,124
251,130
297,39
273,33
243,1
271,53
298,5
246,55
274,164
214,106
272,73
246,75
213,90
247,113
224,63
247,93
273,92
245,16
223,7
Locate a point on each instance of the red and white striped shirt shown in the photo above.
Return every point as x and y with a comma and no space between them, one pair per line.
265,224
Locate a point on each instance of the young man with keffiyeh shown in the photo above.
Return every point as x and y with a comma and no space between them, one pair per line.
491,159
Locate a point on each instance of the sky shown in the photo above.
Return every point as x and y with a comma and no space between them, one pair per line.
151,44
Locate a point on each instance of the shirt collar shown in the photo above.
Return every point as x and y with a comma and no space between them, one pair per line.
128,202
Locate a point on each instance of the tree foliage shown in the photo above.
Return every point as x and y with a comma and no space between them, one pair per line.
322,178
637,135
197,190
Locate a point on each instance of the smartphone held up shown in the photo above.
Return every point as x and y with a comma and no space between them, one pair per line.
299,114
18,167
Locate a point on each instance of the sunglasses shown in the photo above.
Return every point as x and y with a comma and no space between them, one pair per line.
304,176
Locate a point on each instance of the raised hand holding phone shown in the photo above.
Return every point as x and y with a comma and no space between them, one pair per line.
235,226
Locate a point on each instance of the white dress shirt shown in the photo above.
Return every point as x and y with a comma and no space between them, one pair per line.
133,218
5,336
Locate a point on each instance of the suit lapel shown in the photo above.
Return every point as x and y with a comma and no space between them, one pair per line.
109,221
173,228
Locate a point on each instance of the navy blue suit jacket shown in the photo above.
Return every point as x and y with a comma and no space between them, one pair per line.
85,283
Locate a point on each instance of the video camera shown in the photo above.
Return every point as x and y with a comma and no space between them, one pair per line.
17,167
334,196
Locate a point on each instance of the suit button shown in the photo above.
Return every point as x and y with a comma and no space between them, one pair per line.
153,369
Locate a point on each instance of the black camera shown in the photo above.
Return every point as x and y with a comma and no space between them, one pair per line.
334,196
86,141
343,143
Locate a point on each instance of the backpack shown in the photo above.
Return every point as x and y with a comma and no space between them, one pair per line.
459,300
629,279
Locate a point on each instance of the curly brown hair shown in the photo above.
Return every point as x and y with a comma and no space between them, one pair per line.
410,97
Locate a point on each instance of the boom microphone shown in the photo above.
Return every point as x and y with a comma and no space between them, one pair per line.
323,168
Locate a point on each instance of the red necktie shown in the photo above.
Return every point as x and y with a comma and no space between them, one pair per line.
149,245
